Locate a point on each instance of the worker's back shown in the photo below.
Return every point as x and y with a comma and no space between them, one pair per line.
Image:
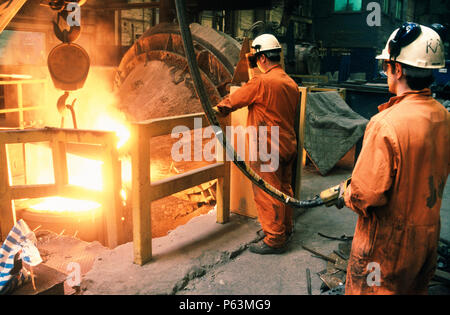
422,127
400,223
275,105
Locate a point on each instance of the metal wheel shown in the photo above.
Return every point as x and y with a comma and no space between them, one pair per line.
139,82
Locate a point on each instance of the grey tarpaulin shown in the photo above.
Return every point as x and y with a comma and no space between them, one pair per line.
332,128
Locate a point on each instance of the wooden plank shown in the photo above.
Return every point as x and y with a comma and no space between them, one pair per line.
33,191
20,105
172,185
224,182
140,195
223,196
241,199
120,211
24,109
24,136
78,192
53,134
342,92
301,142
83,136
14,82
111,192
6,209
60,163
164,126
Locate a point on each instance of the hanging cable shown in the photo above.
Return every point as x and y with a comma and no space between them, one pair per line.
206,104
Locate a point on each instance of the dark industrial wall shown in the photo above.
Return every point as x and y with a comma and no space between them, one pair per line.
349,43
341,29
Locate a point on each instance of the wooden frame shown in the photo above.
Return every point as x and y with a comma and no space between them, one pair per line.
144,191
58,139
342,92
20,108
301,153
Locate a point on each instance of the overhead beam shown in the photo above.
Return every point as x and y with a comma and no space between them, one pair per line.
8,10
123,6
229,4
192,4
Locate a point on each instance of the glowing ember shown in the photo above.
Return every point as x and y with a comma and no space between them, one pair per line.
108,123
65,205
96,110
85,172
123,194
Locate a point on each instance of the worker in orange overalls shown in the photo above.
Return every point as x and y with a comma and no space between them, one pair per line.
272,99
399,178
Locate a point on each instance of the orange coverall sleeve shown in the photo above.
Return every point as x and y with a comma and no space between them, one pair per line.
245,96
375,169
448,168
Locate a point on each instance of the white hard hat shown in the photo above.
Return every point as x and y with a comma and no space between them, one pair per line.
266,43
416,45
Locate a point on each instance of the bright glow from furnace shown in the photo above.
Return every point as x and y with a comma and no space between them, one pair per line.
95,110
107,123
65,205
85,172
123,194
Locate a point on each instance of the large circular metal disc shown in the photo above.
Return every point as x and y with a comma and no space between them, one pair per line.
153,78
69,66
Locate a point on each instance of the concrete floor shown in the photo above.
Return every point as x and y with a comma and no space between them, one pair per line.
206,258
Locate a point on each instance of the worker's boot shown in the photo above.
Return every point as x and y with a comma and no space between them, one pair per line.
261,235
264,249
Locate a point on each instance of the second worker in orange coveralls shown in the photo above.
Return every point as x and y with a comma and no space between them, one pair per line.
272,99
398,181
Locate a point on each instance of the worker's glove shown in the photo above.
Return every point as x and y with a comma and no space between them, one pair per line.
340,203
218,113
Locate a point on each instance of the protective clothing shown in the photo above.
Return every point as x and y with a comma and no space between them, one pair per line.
272,99
276,218
396,189
426,52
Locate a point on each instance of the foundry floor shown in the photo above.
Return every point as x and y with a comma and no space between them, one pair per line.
202,257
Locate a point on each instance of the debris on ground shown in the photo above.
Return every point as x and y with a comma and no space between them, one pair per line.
441,280
333,277
68,255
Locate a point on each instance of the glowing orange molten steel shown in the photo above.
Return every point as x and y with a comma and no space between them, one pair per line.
64,205
95,110
110,124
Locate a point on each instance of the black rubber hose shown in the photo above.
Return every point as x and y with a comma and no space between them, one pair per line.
206,104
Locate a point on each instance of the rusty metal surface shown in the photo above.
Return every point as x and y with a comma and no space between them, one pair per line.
241,72
68,65
217,55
